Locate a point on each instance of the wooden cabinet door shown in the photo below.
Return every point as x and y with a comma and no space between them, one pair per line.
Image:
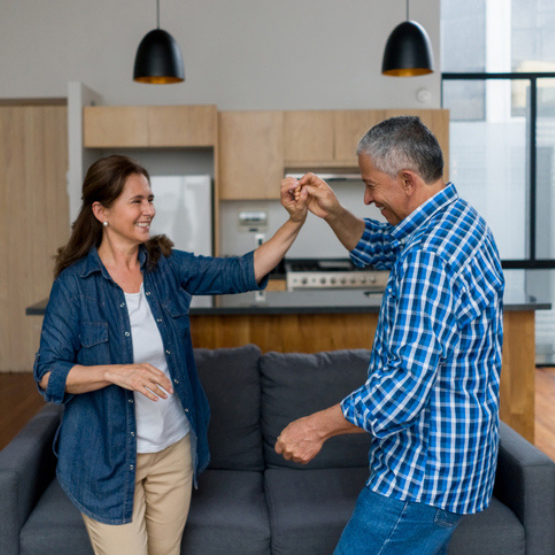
115,126
182,126
251,154
308,138
34,221
349,127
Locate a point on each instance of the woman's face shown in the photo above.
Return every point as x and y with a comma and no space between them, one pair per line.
130,215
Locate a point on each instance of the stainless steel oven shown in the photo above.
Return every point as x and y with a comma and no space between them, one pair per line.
306,273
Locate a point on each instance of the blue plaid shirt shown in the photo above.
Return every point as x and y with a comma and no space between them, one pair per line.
431,401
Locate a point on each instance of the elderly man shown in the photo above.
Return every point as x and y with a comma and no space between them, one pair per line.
431,401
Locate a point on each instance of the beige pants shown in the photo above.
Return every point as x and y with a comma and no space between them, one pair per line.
163,487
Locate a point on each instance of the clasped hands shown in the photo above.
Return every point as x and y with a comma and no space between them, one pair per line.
310,192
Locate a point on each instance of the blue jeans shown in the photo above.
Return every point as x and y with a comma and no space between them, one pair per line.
385,526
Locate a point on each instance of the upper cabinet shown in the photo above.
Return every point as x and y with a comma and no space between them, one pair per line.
257,148
251,156
309,137
328,139
149,126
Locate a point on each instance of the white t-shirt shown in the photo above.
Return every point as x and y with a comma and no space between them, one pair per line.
159,423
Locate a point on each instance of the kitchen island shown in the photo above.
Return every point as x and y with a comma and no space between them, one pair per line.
311,321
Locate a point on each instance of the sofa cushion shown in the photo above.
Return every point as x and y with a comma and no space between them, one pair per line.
495,530
231,380
296,385
55,526
309,509
228,515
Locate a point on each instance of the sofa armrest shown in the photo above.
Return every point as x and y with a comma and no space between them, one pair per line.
525,482
27,466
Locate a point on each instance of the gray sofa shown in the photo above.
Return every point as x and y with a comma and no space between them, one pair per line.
250,500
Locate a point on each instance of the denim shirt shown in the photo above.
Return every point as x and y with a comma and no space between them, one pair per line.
87,323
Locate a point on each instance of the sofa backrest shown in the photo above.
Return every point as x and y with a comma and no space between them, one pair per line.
231,381
296,385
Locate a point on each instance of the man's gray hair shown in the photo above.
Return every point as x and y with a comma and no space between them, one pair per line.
403,143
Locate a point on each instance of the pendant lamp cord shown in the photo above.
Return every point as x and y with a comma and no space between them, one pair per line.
158,13
408,19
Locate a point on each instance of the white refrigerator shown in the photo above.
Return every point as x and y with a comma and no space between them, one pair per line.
184,213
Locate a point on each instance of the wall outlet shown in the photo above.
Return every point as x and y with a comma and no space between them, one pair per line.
259,238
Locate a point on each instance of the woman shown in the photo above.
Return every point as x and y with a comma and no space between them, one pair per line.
116,350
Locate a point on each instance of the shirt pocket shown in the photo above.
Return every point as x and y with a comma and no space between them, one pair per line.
178,309
94,344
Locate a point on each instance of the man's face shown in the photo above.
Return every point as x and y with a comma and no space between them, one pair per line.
388,194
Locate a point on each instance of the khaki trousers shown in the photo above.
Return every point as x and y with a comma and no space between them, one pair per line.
163,487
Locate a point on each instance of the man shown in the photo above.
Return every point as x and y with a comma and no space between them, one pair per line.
431,401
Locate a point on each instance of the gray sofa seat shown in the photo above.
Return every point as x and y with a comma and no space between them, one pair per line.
55,522
320,504
228,515
252,501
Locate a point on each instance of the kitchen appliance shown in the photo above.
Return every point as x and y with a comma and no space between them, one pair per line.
184,213
307,273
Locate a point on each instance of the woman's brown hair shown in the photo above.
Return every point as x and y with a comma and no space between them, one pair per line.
104,183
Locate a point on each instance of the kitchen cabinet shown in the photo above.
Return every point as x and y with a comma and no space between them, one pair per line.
309,138
351,125
251,154
328,139
34,219
149,126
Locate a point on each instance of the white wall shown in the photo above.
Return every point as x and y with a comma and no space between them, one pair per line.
239,54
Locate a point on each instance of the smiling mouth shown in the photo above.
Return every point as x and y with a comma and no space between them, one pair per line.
144,225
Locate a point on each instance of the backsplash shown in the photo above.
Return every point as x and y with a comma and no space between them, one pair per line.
316,239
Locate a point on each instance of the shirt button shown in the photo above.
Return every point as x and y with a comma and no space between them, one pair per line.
122,305
130,400
176,381
132,434
127,334
159,320
148,293
131,467
186,410
168,352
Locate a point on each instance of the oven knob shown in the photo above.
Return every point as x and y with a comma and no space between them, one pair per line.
353,281
304,281
323,281
332,281
362,281
372,279
343,281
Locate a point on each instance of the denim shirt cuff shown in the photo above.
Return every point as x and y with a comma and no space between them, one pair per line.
253,285
56,389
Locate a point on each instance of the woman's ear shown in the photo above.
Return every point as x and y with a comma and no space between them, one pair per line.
100,213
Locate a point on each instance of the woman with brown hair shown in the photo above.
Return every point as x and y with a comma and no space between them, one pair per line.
116,351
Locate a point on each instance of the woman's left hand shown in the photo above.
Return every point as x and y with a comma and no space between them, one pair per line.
294,199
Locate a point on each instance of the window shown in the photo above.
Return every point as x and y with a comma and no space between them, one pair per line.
500,89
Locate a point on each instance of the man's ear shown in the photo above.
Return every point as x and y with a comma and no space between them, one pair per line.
409,181
100,213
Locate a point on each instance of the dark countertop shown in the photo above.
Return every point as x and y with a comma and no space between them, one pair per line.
311,302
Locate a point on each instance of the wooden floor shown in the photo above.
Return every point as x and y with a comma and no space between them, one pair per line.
20,400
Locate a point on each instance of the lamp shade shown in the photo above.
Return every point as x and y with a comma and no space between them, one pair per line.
159,60
408,51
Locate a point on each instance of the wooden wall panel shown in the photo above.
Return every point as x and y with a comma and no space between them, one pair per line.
34,216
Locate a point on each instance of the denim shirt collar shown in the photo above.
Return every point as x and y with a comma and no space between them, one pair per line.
93,263
403,230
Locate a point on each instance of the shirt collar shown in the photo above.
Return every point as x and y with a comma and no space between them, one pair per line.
93,263
424,212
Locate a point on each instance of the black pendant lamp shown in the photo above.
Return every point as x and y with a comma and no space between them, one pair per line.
158,60
408,51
